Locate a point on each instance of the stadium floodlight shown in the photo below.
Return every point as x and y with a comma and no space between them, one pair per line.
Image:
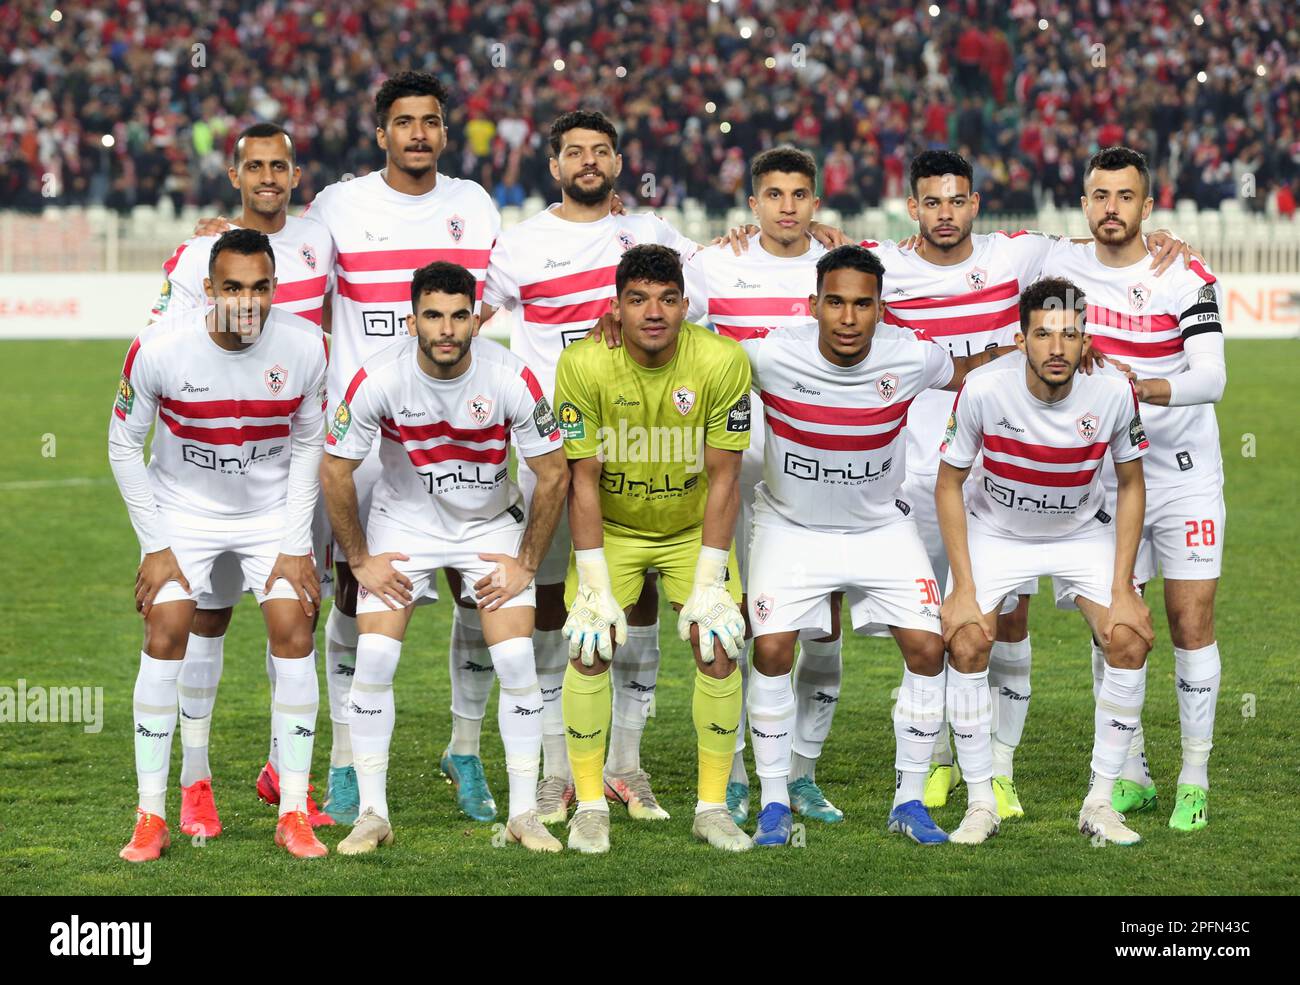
1042,23
934,10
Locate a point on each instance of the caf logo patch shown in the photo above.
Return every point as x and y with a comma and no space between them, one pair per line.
571,423
125,395
342,421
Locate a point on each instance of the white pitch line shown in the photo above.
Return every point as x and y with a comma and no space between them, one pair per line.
52,483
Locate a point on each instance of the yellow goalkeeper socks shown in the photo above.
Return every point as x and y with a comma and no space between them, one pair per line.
715,708
585,701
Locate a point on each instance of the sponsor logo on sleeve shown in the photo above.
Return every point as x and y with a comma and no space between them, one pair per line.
342,421
125,395
1137,434
1206,295
1184,461
572,425
738,416
543,418
949,433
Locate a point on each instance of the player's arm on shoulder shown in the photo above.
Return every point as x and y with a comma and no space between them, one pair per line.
963,366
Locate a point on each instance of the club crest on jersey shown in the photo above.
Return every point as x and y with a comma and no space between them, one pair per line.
763,606
1138,296
1088,425
479,408
887,385
456,227
308,255
275,377
683,400
977,279
626,241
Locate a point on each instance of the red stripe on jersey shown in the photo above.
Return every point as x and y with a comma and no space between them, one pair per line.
175,258
742,332
300,290
224,436
989,321
996,292
1111,346
370,260
542,314
208,409
387,292
314,316
1003,232
455,453
356,382
558,287
870,244
1038,478
530,381
780,307
441,429
1196,268
844,416
130,358
1097,315
834,442
1045,453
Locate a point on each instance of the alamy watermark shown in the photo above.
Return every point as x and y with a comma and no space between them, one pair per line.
38,704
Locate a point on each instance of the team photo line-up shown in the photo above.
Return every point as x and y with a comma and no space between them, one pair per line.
761,429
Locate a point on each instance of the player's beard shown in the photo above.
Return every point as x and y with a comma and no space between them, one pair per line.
428,347
1115,237
589,196
1056,384
963,235
415,171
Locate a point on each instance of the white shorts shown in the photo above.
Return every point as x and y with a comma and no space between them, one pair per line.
1081,564
883,572
365,477
1182,535
428,555
555,565
918,493
751,473
228,580
251,554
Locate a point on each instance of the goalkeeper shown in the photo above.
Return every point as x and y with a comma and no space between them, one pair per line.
654,431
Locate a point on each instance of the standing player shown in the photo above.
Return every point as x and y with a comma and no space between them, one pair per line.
1037,507
641,423
555,271
386,225
265,172
745,296
1169,330
234,471
836,396
446,407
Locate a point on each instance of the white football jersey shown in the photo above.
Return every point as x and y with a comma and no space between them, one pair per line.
381,237
304,265
444,443
834,435
221,449
751,294
968,307
1040,469
558,278
1145,321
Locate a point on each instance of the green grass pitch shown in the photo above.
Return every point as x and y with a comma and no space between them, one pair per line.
68,797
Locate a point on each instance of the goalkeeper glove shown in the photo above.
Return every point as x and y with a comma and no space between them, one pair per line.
596,620
711,607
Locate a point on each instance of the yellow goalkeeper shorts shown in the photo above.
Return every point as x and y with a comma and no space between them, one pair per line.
675,557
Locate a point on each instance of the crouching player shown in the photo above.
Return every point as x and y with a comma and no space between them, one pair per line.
233,474
1037,507
655,431
445,405
827,519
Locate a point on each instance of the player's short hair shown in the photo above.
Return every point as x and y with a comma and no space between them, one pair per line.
1053,294
405,84
258,130
937,163
246,242
441,277
787,159
1118,158
650,262
850,257
581,119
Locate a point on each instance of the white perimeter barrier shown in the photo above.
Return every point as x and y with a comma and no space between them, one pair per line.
116,306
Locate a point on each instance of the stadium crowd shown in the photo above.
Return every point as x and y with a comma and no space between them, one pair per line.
1211,93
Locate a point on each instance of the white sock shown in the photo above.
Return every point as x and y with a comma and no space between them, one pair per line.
371,713
1135,764
1118,714
817,676
297,700
918,718
1009,665
273,754
592,805
738,761
519,717
941,755
772,723
1098,669
635,675
155,706
970,710
551,654
197,687
340,666
1198,673
470,667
